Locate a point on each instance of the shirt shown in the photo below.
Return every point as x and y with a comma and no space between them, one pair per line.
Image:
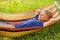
30,23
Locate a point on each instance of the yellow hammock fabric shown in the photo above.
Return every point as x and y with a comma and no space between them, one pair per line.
16,34
17,16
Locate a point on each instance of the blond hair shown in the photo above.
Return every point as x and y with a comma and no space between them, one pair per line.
49,13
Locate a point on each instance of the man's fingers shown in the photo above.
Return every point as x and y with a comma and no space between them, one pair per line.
51,6
53,10
55,14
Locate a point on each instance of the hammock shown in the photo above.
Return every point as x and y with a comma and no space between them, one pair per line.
15,32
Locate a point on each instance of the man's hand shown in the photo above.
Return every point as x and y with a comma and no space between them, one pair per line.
53,10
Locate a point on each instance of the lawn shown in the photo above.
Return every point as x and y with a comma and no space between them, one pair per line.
14,6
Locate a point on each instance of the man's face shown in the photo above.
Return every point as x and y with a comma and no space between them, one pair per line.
43,16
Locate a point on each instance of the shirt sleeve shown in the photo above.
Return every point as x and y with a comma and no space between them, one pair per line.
37,15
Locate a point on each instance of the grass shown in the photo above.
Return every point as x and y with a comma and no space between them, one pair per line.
50,33
14,6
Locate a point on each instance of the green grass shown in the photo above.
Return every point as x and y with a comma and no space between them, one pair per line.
50,33
14,6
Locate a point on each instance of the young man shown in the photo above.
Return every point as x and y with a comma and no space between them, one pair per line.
43,18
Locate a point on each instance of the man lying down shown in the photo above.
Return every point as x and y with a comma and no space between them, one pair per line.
43,18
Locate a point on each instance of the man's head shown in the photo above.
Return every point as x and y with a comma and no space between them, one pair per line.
45,15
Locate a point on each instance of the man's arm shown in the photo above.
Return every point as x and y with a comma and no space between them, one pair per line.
52,21
55,18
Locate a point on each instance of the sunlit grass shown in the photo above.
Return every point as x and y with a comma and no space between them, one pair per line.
14,6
